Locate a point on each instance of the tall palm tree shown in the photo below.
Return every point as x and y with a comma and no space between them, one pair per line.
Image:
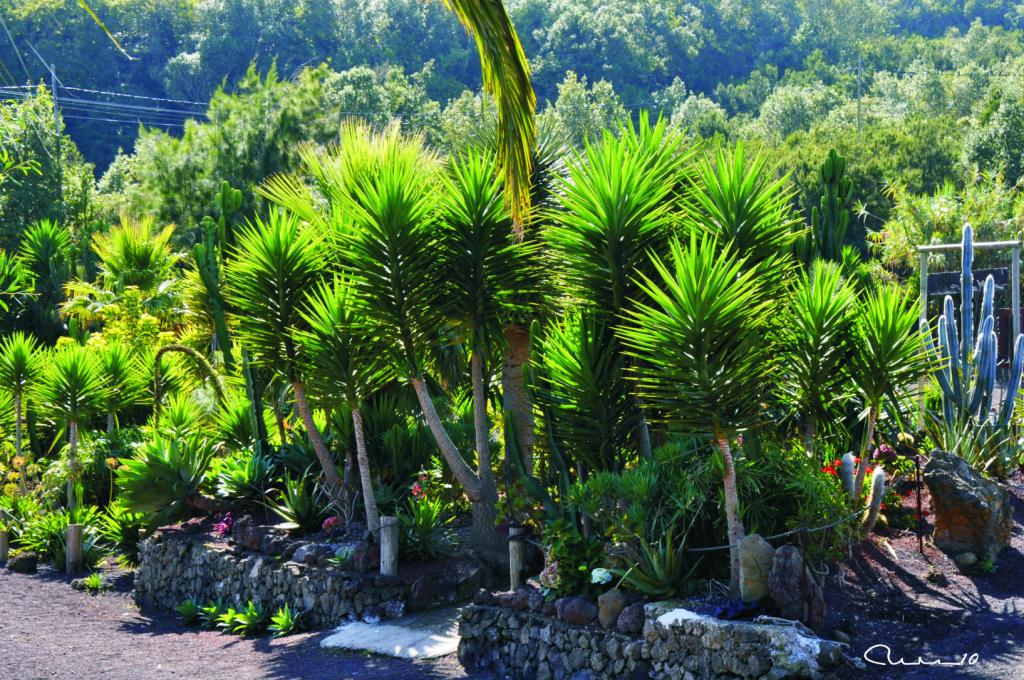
72,389
345,368
704,362
814,339
891,354
276,263
19,368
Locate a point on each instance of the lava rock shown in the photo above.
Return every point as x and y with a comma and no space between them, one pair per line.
483,596
972,513
609,606
247,533
966,560
23,563
307,554
422,593
371,615
631,619
755,564
393,609
794,590
579,611
366,557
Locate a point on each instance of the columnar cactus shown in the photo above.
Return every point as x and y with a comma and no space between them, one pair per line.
968,370
874,505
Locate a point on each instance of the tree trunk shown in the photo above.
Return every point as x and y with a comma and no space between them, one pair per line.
482,492
72,463
335,488
865,451
22,484
110,423
369,500
732,513
480,423
516,395
810,435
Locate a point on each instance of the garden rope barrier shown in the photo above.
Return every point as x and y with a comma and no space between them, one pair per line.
730,546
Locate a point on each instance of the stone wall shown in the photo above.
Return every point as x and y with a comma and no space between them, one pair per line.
675,643
174,567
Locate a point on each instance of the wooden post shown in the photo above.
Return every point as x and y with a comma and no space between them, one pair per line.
1015,296
516,556
923,260
5,545
74,550
388,546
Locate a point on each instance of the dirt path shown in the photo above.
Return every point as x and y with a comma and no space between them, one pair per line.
921,605
48,631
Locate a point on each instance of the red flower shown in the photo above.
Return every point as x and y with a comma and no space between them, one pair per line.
883,506
330,523
837,464
417,491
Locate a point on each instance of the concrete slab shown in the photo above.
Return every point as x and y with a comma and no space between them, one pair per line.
423,635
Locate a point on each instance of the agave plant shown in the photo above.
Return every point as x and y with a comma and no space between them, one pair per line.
704,362
246,478
72,389
298,503
19,369
165,479
277,262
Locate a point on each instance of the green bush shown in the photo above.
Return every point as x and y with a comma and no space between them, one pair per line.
426,529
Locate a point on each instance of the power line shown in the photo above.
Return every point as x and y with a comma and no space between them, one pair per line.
134,96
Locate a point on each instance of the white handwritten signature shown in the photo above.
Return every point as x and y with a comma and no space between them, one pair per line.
964,660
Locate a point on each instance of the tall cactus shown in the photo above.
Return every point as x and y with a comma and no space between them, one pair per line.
830,218
967,374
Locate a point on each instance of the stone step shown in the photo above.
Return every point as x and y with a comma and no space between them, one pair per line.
423,635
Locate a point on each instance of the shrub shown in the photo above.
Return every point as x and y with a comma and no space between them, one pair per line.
47,535
119,529
426,529
299,503
246,478
283,622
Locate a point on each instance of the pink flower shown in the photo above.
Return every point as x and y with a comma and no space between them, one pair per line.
417,491
224,525
330,523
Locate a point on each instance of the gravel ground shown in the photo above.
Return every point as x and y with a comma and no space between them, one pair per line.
48,630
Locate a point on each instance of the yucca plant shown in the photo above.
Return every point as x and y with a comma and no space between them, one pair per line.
165,479
277,262
393,244
123,379
704,363
346,368
19,369
890,355
814,340
742,203
46,252
15,280
72,390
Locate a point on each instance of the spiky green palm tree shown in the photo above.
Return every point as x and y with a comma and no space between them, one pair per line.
814,340
741,202
72,390
617,204
704,362
124,381
135,253
45,251
277,262
891,354
19,368
345,368
489,275
15,280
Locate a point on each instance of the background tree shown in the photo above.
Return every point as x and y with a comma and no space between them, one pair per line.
19,369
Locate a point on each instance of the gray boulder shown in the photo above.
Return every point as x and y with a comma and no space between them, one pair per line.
23,563
972,513
794,590
755,564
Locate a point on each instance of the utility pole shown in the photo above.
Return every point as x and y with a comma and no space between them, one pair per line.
56,134
860,71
